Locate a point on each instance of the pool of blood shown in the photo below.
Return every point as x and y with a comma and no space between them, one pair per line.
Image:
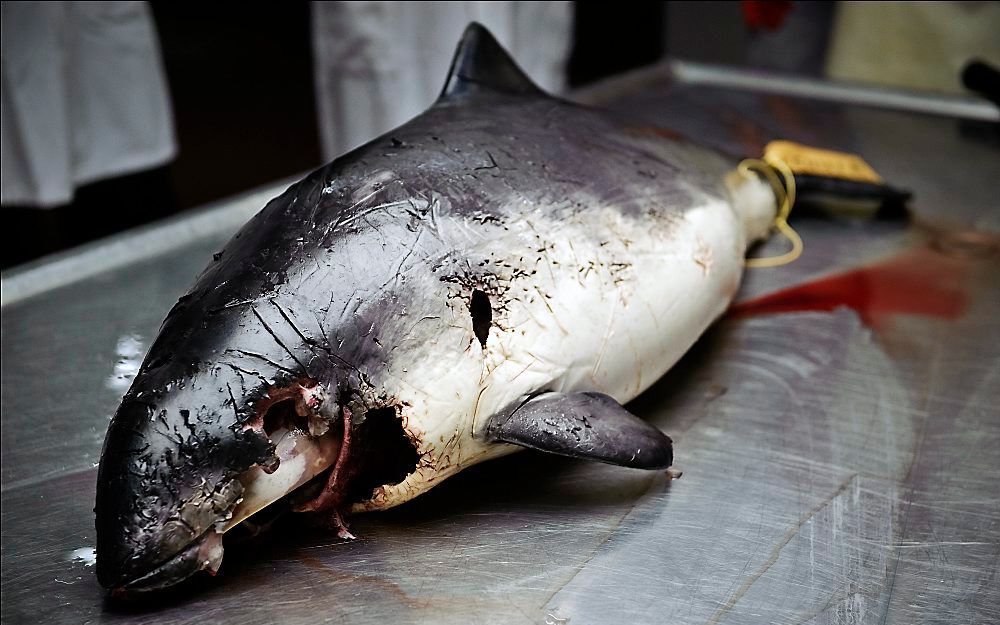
922,281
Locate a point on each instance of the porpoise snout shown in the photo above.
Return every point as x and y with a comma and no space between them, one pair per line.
168,474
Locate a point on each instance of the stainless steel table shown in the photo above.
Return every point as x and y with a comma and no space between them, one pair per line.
835,470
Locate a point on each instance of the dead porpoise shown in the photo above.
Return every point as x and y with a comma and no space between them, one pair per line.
503,271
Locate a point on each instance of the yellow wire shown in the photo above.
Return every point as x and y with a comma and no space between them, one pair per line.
785,195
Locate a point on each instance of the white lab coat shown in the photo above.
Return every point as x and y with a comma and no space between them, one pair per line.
378,64
84,97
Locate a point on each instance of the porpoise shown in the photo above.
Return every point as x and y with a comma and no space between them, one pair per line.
502,272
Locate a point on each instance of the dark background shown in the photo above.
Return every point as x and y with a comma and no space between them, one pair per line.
241,84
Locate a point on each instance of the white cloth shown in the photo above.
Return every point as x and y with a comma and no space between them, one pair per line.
914,45
378,64
84,97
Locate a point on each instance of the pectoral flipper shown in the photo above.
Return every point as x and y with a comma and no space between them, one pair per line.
592,426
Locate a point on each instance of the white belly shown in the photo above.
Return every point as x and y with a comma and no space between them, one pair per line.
609,305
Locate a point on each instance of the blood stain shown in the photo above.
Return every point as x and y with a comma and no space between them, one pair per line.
922,281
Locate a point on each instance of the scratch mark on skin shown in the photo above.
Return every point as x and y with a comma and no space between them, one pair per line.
236,411
492,165
776,551
240,371
347,303
576,261
519,373
538,359
321,324
434,218
343,221
607,336
453,446
276,339
259,357
235,304
475,411
552,312
295,329
652,316
399,270
305,279
703,257
638,363
422,319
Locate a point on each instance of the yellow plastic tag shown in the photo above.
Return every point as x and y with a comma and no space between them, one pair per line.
803,159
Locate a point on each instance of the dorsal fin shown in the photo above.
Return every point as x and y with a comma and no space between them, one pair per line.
481,63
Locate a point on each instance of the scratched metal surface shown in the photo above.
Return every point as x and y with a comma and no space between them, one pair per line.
833,473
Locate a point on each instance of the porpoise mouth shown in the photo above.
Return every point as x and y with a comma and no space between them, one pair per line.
319,468
323,464
308,439
204,554
301,457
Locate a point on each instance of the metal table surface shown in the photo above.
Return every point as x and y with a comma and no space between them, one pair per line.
838,468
